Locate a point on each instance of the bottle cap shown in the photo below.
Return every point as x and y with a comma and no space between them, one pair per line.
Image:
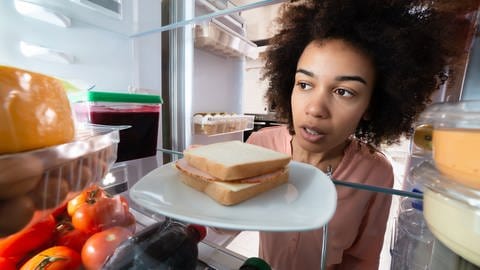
201,230
257,263
417,204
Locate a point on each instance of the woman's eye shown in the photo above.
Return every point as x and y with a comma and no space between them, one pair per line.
304,85
344,92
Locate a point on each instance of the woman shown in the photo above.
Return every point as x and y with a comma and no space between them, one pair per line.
348,76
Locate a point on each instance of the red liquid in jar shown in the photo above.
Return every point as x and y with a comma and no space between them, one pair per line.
138,141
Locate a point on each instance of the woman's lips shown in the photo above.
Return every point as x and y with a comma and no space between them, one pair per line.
311,135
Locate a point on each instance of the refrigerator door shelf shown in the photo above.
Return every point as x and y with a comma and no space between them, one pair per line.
215,37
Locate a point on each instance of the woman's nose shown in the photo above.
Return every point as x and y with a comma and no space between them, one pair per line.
318,104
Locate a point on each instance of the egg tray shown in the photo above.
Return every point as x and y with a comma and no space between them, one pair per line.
219,123
43,179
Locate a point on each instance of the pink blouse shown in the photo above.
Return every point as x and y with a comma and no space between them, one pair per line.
355,233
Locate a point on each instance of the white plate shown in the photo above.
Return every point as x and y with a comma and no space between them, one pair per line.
306,202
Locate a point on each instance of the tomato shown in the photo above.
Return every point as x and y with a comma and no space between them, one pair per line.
101,245
101,214
70,237
32,237
54,258
94,210
89,195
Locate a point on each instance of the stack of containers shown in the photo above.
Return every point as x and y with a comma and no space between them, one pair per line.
451,180
54,212
412,241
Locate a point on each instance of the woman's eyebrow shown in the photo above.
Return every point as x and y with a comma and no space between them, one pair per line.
306,72
351,78
338,78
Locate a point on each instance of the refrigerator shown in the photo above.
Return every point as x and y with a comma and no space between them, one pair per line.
196,54
192,53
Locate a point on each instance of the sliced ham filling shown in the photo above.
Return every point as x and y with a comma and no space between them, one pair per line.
183,165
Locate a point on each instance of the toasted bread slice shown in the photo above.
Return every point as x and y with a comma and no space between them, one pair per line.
234,160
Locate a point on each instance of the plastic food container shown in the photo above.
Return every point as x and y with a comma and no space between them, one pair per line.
456,140
422,140
451,210
139,111
36,182
445,259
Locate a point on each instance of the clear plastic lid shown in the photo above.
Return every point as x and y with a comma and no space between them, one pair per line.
464,115
426,174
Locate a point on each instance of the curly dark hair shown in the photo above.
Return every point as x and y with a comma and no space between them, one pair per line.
410,42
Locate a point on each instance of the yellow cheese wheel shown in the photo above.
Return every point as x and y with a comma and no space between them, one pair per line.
34,111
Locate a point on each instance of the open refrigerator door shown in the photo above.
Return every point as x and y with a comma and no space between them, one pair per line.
120,45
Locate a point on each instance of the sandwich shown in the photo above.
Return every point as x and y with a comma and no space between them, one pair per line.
232,172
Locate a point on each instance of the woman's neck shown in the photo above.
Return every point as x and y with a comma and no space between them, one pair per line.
322,160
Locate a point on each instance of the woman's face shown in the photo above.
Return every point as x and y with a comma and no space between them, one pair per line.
333,85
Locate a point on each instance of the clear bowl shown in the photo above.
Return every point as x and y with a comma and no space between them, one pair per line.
451,210
456,140
34,183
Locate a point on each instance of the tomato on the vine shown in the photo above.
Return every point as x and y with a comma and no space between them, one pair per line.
101,245
89,195
54,258
101,214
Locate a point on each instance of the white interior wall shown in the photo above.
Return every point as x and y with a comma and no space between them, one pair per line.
217,87
101,58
